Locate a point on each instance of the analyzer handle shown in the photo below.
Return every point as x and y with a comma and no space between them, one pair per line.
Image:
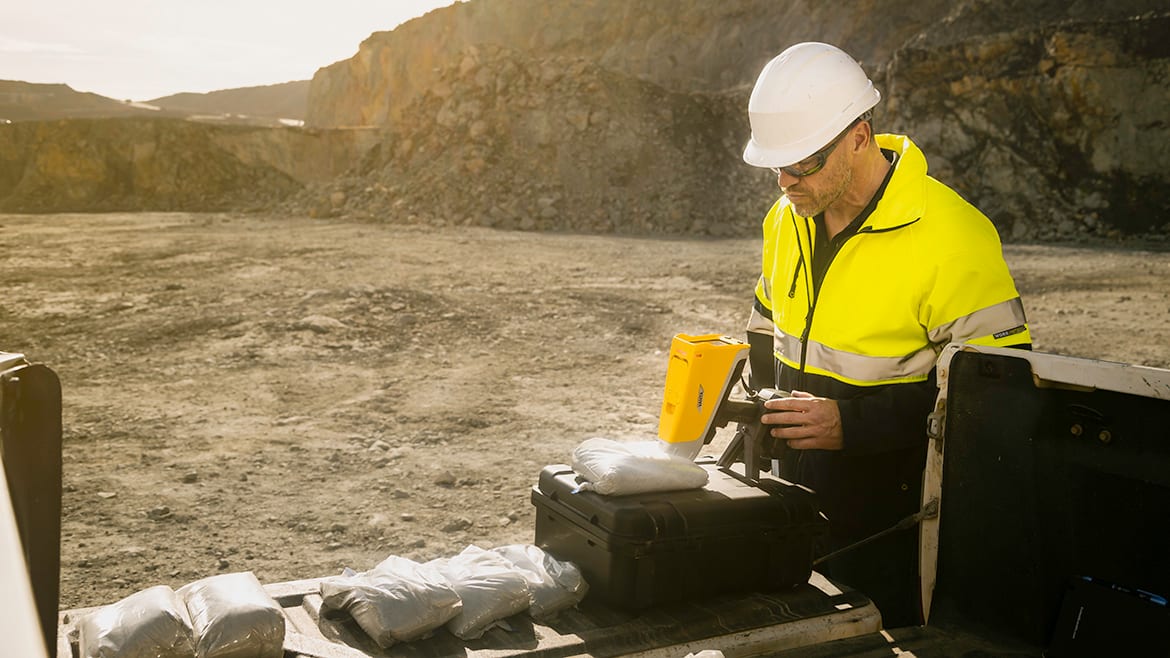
752,441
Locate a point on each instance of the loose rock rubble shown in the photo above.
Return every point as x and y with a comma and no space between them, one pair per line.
507,141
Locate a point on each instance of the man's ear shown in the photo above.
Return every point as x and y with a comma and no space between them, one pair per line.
861,138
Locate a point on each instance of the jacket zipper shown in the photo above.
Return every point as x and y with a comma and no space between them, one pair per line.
795,276
812,307
813,297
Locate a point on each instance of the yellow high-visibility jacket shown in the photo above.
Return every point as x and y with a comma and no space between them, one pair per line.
925,268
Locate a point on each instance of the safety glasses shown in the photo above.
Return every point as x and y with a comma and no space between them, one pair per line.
815,162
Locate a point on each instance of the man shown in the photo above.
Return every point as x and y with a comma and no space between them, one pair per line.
870,267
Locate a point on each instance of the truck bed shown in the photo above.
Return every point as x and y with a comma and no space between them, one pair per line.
817,612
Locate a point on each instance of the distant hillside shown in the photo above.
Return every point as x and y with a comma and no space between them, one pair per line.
281,101
28,101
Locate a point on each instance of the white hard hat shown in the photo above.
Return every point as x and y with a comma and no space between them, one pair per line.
804,97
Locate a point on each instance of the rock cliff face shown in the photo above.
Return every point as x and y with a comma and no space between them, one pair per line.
682,45
162,164
1044,114
558,143
1053,128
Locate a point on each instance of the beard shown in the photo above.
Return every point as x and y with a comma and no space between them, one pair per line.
810,197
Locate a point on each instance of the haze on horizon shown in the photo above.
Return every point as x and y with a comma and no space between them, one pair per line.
144,49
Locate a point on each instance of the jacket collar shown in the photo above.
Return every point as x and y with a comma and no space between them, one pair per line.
904,200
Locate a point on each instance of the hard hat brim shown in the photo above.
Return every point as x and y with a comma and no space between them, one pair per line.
758,155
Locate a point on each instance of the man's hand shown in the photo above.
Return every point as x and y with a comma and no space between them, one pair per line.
808,422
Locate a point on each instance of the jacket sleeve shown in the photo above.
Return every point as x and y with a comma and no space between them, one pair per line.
971,297
761,330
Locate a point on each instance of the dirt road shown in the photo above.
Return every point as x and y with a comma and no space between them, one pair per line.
292,396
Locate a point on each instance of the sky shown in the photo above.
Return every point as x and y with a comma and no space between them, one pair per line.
144,49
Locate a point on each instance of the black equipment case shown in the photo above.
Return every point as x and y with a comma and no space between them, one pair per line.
642,550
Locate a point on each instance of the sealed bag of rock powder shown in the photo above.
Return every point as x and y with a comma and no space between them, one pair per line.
151,623
397,601
491,589
233,617
616,468
554,585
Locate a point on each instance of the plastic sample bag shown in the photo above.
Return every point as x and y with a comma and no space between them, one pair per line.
553,585
397,601
617,469
233,617
152,623
490,587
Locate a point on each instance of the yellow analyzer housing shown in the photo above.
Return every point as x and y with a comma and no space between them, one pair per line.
699,376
